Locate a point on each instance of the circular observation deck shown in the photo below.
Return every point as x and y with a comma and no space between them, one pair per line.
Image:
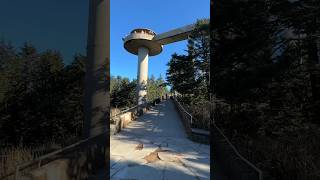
142,37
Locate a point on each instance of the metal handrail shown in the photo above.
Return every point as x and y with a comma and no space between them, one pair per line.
129,109
229,144
41,158
124,111
238,154
184,110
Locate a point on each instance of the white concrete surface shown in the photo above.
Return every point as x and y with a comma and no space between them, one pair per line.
159,129
142,37
142,74
174,35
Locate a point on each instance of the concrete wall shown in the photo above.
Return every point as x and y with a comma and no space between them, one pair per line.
126,118
78,161
122,122
57,169
184,118
197,135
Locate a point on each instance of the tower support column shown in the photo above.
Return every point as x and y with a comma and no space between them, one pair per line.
142,75
96,102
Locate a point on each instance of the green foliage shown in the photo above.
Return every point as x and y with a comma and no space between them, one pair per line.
40,96
181,74
123,91
189,74
156,88
266,83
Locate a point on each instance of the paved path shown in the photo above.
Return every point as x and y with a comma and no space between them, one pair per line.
155,147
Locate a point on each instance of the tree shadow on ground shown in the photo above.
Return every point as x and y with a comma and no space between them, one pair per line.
160,127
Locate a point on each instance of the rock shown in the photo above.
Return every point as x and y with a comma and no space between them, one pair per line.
139,147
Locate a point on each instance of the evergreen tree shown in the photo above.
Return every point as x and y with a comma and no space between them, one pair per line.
41,96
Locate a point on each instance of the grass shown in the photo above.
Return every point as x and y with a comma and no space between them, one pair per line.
287,157
201,115
11,156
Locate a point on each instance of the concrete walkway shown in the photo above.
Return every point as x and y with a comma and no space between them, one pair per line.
156,147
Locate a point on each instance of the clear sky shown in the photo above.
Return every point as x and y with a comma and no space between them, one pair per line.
48,24
62,25
160,16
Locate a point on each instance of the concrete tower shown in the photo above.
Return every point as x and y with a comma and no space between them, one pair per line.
140,43
144,43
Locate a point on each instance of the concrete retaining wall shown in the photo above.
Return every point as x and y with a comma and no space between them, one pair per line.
121,122
184,118
198,135
77,161
56,169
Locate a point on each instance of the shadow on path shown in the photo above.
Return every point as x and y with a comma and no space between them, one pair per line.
155,146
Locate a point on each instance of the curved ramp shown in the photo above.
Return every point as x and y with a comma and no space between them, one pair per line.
156,147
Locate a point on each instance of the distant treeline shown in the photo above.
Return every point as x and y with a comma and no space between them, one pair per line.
123,91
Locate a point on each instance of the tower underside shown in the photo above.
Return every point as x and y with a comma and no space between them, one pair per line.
140,42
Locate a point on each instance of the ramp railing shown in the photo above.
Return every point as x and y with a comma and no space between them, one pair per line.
232,164
82,158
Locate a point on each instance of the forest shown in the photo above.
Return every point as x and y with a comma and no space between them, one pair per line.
39,92
123,91
189,75
265,79
41,103
266,74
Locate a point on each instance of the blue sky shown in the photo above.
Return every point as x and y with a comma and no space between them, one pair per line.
160,16
62,25
48,24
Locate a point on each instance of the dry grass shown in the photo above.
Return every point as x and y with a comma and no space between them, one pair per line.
201,114
11,156
284,158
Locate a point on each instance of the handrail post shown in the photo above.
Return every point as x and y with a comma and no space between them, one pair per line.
39,164
17,172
